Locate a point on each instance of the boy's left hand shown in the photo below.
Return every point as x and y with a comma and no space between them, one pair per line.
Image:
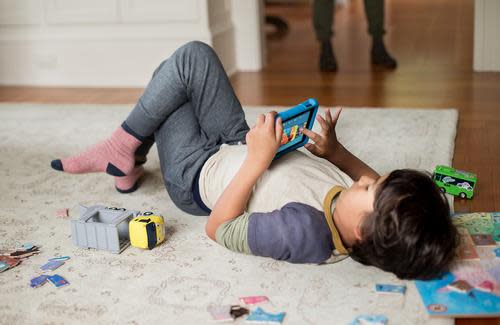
263,140
325,143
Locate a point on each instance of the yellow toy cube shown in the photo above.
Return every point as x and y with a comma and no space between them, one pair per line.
147,230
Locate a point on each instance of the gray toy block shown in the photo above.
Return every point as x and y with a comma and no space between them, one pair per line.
102,227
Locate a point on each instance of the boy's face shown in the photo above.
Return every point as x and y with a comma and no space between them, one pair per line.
353,204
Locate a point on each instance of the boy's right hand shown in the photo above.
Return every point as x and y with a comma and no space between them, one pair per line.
263,140
325,143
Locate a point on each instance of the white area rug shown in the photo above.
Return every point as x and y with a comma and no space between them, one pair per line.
174,283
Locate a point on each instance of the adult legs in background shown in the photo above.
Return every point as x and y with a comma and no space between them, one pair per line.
323,14
323,21
374,11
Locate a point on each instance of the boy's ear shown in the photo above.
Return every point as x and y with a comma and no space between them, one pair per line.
357,230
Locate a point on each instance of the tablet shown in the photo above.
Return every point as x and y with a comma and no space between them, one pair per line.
295,118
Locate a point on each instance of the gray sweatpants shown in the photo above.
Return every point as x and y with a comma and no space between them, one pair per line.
191,109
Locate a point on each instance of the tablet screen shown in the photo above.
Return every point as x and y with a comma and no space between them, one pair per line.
291,129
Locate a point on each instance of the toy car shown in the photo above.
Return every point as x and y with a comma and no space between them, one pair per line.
455,182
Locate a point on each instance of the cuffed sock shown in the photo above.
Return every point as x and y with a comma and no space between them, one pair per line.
129,183
114,156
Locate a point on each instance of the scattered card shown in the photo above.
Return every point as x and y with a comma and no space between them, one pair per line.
25,252
25,255
51,265
62,213
59,258
370,320
58,280
38,281
220,313
238,311
252,300
260,316
390,288
3,266
9,260
28,246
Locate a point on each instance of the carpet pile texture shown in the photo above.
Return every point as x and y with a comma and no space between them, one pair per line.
175,282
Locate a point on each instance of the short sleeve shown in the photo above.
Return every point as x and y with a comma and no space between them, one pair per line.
233,234
296,233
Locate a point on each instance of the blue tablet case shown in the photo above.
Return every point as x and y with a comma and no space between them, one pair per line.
302,115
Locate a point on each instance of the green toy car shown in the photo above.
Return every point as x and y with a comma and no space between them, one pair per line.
455,182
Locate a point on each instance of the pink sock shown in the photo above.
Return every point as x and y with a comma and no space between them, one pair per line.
114,156
128,184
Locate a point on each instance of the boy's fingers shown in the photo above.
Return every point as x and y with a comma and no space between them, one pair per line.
279,129
312,135
328,116
323,123
270,120
311,147
336,116
260,119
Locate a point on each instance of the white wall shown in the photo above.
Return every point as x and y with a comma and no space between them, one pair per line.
106,42
248,21
486,35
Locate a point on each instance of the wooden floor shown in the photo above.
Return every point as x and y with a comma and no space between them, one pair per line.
432,41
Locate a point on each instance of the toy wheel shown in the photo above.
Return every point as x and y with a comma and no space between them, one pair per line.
462,195
147,213
442,189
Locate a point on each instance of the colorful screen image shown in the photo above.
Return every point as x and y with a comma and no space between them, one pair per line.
291,130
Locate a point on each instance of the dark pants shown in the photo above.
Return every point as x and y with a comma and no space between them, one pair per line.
323,18
191,109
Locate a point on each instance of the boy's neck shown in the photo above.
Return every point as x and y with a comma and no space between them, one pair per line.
347,238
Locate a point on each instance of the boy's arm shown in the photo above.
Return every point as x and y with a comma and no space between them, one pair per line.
328,147
262,143
234,199
350,164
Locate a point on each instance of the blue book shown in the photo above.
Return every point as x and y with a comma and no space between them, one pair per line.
472,287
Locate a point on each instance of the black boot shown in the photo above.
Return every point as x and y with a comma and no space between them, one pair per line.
380,56
327,61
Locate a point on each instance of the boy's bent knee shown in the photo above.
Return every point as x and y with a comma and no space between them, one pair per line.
196,48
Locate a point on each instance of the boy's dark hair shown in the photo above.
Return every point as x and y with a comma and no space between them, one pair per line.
409,232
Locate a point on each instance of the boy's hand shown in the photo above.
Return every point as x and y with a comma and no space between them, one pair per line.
325,144
263,140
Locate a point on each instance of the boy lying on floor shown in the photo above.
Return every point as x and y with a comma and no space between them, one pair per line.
297,208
